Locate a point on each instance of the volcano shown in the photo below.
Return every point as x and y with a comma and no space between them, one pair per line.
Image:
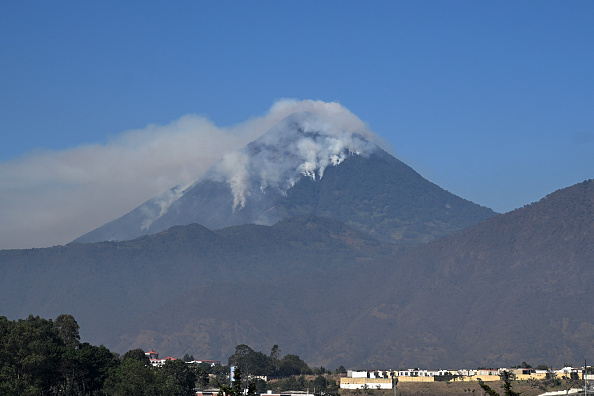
304,165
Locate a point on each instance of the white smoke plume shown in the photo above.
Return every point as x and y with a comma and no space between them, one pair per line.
162,203
304,144
234,166
52,197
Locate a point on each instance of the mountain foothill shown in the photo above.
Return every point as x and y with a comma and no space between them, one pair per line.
360,262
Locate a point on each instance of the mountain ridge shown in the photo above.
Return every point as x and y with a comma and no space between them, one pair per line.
505,290
106,283
515,287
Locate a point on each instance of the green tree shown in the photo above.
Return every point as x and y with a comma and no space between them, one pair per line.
332,388
131,378
275,357
293,365
294,382
251,362
98,362
29,356
220,375
175,378
240,358
319,385
137,354
488,390
202,376
507,378
237,388
40,357
66,328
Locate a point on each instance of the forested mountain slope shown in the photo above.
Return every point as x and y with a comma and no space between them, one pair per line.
106,285
512,288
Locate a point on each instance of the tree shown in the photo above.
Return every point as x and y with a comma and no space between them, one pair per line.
240,358
66,328
488,390
293,365
251,362
220,375
507,378
188,358
137,354
98,362
131,378
319,384
175,378
237,388
202,376
29,356
275,358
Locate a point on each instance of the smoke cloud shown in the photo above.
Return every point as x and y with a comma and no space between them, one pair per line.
304,144
51,197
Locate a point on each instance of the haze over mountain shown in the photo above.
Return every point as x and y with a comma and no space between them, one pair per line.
516,287
310,163
355,260
108,285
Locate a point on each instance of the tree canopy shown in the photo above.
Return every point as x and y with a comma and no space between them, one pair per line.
44,357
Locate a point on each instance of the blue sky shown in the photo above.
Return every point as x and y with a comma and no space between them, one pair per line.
493,101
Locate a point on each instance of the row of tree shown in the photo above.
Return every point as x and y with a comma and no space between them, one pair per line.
254,363
283,373
44,357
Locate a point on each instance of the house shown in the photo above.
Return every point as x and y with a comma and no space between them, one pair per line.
364,379
370,374
154,358
208,392
288,393
211,362
366,383
487,372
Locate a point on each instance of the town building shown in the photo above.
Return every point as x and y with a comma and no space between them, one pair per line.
154,358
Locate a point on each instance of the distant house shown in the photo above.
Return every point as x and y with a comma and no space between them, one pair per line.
523,371
421,373
364,379
370,374
154,358
207,392
569,372
211,362
487,372
287,393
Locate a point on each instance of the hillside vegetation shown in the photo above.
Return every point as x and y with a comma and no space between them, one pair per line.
514,287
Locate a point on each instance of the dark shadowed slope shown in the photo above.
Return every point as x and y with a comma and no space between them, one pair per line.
517,287
385,198
110,284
